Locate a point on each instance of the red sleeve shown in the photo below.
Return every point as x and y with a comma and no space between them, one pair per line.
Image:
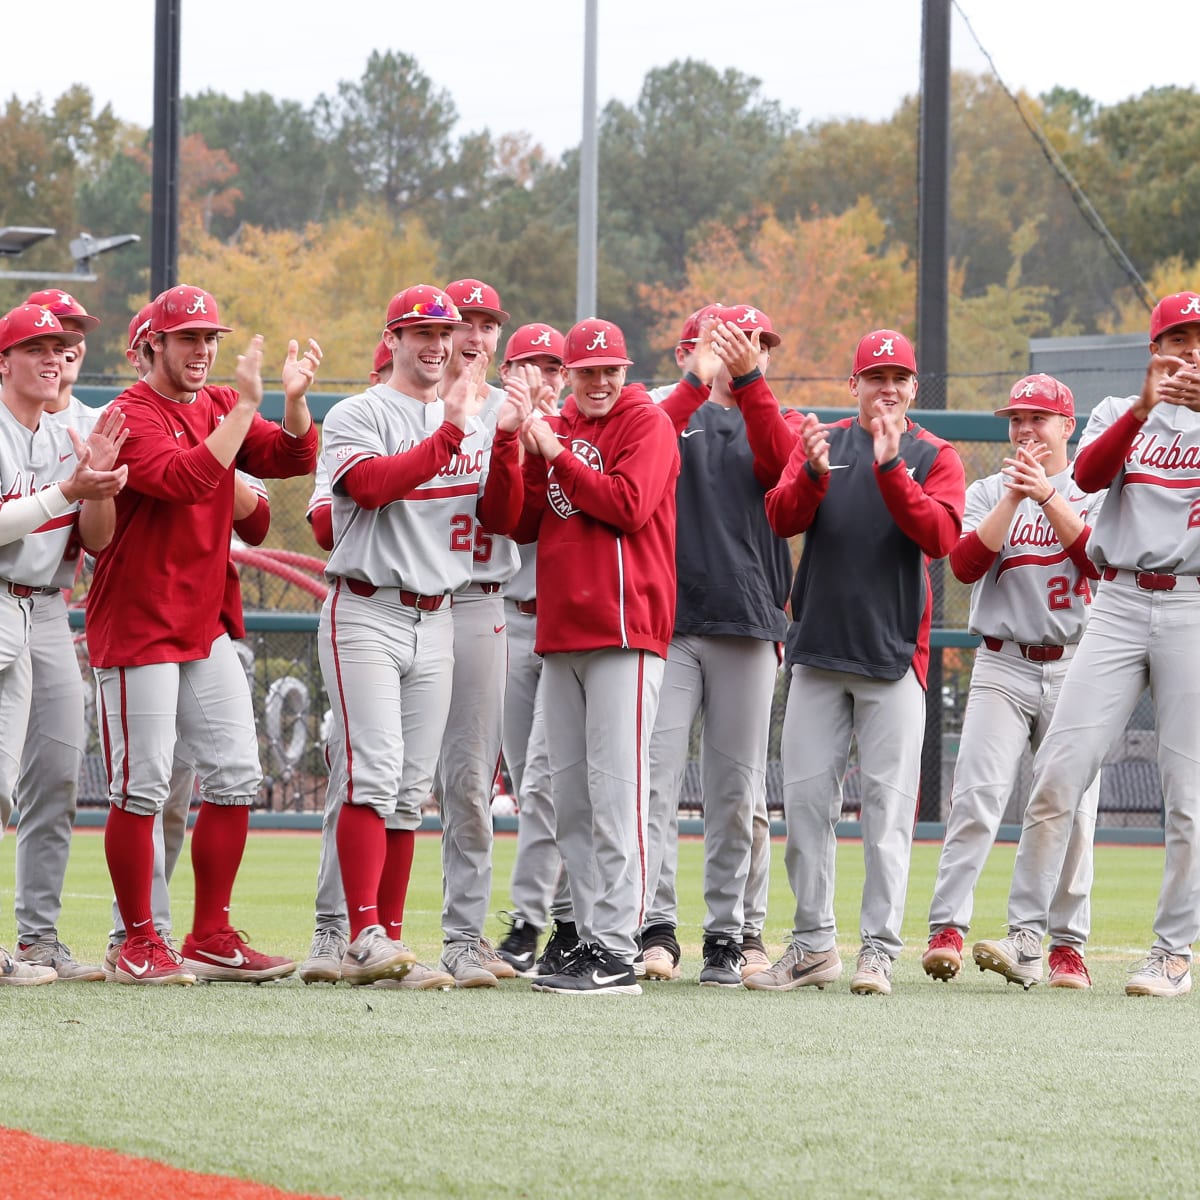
270,453
1077,551
159,468
253,529
793,502
688,395
970,559
321,520
373,482
770,433
628,491
533,487
1098,463
930,513
499,506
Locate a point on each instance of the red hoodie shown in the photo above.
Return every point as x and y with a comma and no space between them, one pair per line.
603,516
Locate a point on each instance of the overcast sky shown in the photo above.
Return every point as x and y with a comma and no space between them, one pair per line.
518,65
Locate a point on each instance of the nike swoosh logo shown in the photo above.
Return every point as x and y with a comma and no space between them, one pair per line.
134,969
236,961
1029,958
1075,499
499,628
687,433
800,972
601,980
64,457
365,907
139,924
179,433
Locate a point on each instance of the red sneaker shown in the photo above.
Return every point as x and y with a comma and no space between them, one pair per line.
149,960
943,958
1067,968
227,957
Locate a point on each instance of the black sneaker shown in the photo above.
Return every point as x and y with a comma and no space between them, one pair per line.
519,947
593,971
563,943
722,963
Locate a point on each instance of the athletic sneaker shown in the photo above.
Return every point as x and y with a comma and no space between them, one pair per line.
722,963
873,974
563,943
1017,957
420,978
754,955
798,968
465,963
660,953
324,961
373,955
500,967
149,960
23,974
519,945
1067,968
113,952
227,957
943,957
50,952
1162,974
593,971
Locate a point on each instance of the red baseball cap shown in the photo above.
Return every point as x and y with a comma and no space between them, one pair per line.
28,322
690,333
473,295
1039,393
421,304
383,357
748,318
531,340
884,348
595,343
1183,308
185,307
139,327
62,304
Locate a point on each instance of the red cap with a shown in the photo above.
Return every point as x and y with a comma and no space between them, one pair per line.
690,333
531,340
185,307
884,348
1183,308
1039,393
28,322
421,304
139,327
64,305
473,295
748,318
383,358
595,343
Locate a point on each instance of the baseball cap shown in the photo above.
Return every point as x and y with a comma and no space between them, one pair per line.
690,332
748,318
1039,393
473,295
1182,308
140,326
421,304
383,357
884,348
62,304
28,322
185,307
595,343
531,340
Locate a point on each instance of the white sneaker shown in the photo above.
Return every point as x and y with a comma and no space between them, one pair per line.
50,952
1017,957
373,955
463,961
873,975
23,974
1162,974
324,961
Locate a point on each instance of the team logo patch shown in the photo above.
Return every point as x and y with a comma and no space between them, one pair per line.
198,306
558,502
1192,307
542,339
886,346
599,342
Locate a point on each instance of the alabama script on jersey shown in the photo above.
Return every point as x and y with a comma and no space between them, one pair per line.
1033,592
424,542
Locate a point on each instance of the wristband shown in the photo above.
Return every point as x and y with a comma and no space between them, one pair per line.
1043,503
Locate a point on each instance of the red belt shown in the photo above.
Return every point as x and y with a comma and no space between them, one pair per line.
1148,581
23,590
528,607
360,587
1033,653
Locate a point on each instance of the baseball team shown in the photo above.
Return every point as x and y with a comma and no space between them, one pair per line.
573,588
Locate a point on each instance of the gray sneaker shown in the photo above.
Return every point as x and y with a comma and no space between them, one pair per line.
463,961
1162,974
50,952
798,968
23,974
373,955
491,961
324,961
420,978
873,975
1017,957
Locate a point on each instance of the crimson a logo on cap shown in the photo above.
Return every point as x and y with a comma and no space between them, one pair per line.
46,320
1025,392
599,341
886,346
590,456
542,339
749,317
198,306
475,296
1191,308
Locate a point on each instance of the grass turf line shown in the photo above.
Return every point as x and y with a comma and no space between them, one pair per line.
936,1090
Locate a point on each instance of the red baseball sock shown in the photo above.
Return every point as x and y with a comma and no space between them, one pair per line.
362,850
129,849
393,886
218,840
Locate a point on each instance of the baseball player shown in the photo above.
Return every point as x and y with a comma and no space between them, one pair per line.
1024,550
1144,631
876,496
599,497
406,470
733,577
57,492
159,629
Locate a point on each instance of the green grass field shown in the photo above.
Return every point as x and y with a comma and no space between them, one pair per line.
973,1088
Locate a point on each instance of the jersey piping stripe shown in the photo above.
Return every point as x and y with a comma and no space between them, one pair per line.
361,456
641,675
440,493
124,739
337,670
1034,560
621,592
105,741
63,522
1190,481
